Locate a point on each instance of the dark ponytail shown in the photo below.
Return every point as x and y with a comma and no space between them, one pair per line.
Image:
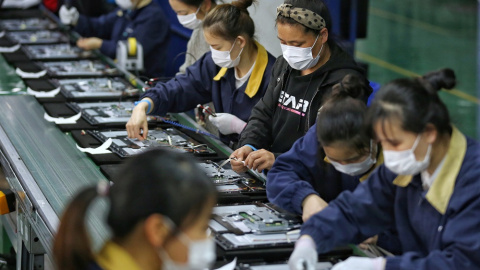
341,118
71,248
242,4
231,20
437,80
415,102
159,181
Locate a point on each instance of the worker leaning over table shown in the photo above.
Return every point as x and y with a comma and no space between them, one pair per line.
190,14
302,79
142,19
234,75
428,187
147,232
336,154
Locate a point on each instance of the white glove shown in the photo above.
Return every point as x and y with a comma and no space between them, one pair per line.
227,123
304,256
69,16
361,263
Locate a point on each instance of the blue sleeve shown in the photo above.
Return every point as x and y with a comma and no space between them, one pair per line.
185,91
289,180
109,48
100,27
151,31
355,216
461,233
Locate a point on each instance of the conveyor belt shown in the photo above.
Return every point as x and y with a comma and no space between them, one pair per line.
47,164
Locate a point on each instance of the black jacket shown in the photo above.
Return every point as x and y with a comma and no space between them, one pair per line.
268,128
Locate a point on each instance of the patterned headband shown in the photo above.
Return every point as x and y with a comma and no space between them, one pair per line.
303,16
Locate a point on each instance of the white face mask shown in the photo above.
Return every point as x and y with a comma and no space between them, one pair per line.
190,21
405,162
301,58
201,253
124,4
223,59
354,169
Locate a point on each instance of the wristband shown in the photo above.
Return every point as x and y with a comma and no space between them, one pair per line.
251,146
147,101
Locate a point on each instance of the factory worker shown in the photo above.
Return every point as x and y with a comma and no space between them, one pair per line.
428,187
301,80
141,19
335,155
153,228
190,14
234,75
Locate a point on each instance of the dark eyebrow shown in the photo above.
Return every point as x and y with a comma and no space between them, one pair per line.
291,41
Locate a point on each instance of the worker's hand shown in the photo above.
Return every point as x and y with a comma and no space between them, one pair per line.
91,43
260,160
69,16
228,123
240,155
304,256
312,204
137,125
370,241
361,263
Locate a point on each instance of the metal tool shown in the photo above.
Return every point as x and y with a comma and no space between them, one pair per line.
227,161
207,110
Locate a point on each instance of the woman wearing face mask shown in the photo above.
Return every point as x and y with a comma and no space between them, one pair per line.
234,76
428,187
153,227
190,14
141,19
335,155
311,64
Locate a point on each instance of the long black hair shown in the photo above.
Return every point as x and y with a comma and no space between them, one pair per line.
415,102
159,181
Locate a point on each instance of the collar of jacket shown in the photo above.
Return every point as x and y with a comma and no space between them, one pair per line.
442,188
377,164
257,74
114,257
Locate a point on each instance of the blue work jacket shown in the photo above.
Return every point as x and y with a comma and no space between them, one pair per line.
147,24
205,82
302,171
439,228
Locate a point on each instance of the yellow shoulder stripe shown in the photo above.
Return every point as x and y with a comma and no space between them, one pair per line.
442,188
258,71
